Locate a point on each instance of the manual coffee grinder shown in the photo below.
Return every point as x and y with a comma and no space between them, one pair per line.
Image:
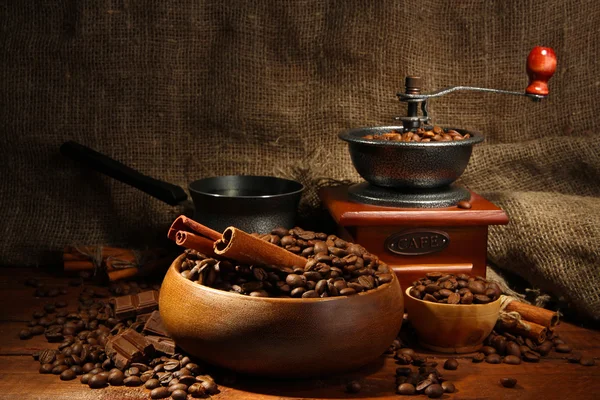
409,212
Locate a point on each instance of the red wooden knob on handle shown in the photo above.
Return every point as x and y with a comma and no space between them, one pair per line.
541,64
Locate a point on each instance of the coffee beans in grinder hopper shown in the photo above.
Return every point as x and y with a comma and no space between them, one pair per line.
437,287
422,135
335,267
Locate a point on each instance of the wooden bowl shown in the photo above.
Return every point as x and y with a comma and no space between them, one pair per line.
451,328
280,337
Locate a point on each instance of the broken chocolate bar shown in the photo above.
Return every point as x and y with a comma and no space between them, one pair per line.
154,325
163,344
129,306
127,347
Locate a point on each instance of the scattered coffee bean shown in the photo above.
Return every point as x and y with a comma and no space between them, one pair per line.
46,368
353,387
132,381
448,387
159,393
493,359
508,382
531,357
179,394
512,360
25,334
479,357
116,378
562,348
68,375
451,364
434,391
85,378
97,381
406,389
152,384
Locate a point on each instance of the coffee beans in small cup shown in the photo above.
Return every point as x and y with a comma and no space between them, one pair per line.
438,287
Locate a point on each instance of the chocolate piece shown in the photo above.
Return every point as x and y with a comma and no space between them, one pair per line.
127,347
163,344
147,302
154,325
129,306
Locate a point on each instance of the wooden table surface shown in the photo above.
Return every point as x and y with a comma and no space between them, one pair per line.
551,378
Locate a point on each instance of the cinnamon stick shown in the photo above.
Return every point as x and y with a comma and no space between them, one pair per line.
76,266
538,315
245,248
195,242
183,223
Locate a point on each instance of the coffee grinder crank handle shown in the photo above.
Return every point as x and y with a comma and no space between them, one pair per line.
541,65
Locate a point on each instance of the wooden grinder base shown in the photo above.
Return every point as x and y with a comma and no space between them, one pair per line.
448,239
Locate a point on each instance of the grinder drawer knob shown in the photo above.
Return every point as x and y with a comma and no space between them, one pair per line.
541,64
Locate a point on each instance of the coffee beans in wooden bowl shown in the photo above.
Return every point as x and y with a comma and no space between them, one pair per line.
422,135
335,267
437,287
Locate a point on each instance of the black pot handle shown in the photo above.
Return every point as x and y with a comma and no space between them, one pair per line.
169,193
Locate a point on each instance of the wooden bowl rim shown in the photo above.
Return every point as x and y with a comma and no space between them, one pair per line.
176,265
450,305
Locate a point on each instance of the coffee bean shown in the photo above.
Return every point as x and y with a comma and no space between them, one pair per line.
97,381
177,386
574,357
152,384
487,350
587,361
85,378
196,390
68,375
132,381
209,386
159,393
493,359
59,369
512,359
454,298
46,368
531,357
25,334
448,387
353,387
116,378
451,364
562,348
545,348
406,389
310,294
434,391
508,382
47,356
513,349
179,395
347,292
479,357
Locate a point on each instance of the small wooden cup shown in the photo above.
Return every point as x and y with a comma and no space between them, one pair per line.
280,337
451,328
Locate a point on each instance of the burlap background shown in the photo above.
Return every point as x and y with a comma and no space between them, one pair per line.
189,89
